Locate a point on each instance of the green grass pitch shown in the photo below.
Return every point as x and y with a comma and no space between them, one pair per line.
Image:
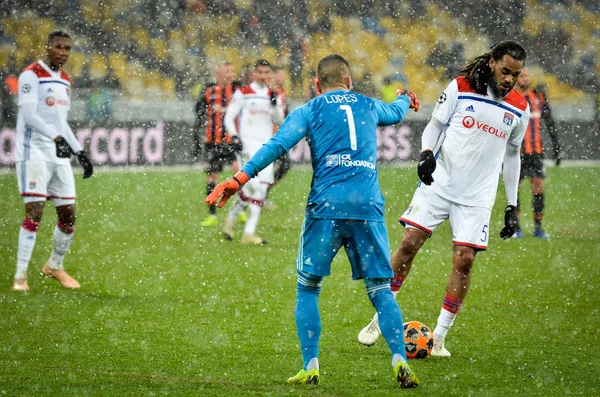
167,307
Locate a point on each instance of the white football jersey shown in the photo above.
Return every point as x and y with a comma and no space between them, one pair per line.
255,114
473,143
50,90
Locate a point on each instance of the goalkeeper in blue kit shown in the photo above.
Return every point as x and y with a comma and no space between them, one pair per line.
345,207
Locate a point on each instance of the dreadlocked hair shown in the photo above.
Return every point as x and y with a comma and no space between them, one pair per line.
478,72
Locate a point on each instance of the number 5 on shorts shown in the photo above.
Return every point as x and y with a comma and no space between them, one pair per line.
485,233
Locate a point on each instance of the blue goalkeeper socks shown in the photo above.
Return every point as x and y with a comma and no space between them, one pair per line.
390,316
308,319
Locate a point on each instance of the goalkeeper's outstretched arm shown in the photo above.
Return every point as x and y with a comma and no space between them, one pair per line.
393,113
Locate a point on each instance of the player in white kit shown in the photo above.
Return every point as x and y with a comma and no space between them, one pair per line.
475,133
44,144
257,108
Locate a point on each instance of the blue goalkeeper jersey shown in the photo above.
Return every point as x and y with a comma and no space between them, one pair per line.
340,128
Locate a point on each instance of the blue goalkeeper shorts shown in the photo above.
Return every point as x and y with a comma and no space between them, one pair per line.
366,244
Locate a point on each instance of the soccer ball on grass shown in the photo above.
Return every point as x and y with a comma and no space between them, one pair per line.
418,339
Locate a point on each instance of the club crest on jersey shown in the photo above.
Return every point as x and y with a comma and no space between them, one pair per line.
32,185
508,118
331,160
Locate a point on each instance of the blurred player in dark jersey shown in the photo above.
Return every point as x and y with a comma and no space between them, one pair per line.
220,149
532,150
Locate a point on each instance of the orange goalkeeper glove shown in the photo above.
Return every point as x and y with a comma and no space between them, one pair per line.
227,189
414,101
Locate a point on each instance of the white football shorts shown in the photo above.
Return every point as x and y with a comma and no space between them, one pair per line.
258,187
266,176
41,181
469,225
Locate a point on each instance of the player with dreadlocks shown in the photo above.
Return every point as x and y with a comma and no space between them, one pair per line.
477,125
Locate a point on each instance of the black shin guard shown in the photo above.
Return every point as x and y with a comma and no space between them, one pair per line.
518,213
210,186
538,204
538,210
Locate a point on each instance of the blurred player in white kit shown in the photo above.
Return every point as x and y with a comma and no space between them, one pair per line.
257,108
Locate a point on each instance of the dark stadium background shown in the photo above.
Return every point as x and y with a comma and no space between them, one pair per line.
139,63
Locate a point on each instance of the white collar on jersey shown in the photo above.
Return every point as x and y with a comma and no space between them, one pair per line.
259,89
52,72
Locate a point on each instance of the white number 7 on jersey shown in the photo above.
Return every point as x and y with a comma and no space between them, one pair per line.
351,126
